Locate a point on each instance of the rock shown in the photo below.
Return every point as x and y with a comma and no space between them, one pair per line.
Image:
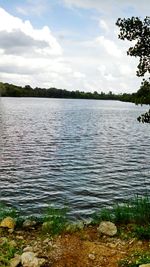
107,228
8,222
50,243
92,256
10,231
29,259
15,261
145,265
29,223
28,249
41,261
46,240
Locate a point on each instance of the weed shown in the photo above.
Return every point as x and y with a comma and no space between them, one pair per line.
55,220
103,215
142,232
7,252
135,259
74,227
136,211
7,211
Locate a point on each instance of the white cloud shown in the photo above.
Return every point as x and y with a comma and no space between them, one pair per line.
34,56
29,55
108,45
23,34
79,75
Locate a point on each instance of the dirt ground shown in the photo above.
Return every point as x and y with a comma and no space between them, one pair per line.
80,249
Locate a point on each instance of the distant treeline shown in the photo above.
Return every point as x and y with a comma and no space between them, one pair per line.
141,97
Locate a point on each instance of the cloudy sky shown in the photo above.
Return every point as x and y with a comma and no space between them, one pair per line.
69,44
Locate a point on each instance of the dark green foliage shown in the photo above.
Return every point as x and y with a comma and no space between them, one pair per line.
10,90
142,232
136,29
143,94
103,215
136,211
144,118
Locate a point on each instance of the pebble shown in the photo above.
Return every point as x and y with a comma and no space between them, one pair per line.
29,259
46,240
92,256
10,231
28,248
29,223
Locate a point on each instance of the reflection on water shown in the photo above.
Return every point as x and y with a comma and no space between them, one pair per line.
85,152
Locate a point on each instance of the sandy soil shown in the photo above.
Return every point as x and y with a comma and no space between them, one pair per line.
80,249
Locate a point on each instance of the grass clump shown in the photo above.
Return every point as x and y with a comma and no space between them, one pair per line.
54,220
6,211
135,259
142,232
7,252
136,211
103,215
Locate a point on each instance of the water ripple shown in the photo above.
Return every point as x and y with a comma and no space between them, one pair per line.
84,152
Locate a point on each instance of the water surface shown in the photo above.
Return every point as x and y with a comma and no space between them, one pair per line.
87,153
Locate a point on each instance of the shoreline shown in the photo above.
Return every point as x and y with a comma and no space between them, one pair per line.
82,248
55,242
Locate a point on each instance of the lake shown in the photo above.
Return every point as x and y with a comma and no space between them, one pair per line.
86,153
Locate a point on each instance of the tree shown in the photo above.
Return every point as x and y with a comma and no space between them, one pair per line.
134,29
143,94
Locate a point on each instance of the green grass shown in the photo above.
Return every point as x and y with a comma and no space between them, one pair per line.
135,259
142,232
6,211
136,211
7,252
55,220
